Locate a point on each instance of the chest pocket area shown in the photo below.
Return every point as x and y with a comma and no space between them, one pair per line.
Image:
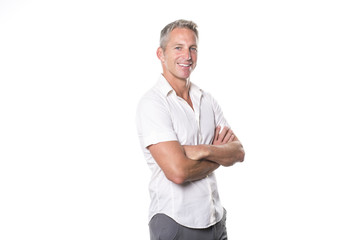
191,127
185,124
207,124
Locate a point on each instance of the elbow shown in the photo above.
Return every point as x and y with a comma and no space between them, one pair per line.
240,156
240,153
177,176
178,180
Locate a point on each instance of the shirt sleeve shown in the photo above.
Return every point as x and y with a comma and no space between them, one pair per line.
219,115
154,122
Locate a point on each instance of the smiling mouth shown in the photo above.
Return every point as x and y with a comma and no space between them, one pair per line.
185,65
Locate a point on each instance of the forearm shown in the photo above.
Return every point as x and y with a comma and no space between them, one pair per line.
196,170
225,154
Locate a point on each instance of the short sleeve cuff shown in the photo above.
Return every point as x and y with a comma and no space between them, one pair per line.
157,137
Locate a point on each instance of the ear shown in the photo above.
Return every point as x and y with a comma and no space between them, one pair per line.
160,54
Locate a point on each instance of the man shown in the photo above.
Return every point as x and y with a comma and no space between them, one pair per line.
179,127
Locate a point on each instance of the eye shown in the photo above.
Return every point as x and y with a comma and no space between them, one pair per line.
178,48
193,49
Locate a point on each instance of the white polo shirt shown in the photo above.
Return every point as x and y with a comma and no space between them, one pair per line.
163,116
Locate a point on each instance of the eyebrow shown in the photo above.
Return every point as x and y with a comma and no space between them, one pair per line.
180,44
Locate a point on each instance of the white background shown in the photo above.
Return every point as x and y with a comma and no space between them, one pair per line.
284,72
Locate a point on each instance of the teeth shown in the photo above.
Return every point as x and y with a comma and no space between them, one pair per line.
184,65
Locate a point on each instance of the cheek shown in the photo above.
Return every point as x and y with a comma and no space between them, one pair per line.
194,57
173,58
168,60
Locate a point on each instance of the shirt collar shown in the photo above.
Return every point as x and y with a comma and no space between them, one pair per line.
166,89
164,86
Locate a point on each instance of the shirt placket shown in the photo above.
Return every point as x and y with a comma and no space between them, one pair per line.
212,202
197,108
197,118
196,111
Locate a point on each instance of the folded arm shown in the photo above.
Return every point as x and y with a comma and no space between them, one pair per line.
226,149
177,167
177,162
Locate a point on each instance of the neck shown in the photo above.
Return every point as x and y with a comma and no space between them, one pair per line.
180,86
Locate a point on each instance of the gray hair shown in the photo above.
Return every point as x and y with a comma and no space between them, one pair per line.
164,36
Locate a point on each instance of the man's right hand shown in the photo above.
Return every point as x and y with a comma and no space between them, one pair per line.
225,136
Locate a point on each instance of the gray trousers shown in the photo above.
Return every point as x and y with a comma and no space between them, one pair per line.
163,227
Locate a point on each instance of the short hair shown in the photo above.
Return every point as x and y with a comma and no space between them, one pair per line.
181,23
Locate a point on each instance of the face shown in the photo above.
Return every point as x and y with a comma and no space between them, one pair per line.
180,55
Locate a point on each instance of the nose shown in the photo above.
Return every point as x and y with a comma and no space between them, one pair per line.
189,55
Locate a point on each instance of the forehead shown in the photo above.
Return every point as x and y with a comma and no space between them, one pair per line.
182,36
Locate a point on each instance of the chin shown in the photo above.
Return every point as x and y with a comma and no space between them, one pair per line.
185,76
